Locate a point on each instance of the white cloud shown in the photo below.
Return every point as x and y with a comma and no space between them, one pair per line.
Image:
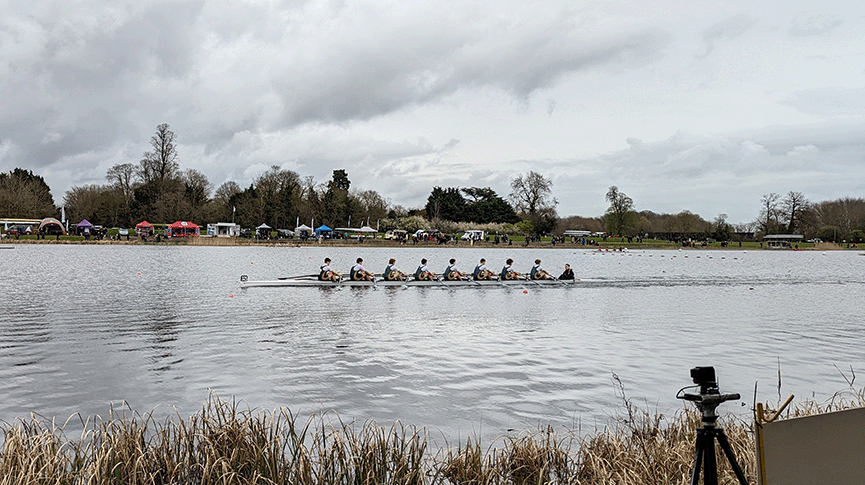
689,106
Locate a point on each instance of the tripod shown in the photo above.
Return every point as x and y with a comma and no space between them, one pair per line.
704,447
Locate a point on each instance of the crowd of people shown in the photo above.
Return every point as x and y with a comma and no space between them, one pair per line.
451,273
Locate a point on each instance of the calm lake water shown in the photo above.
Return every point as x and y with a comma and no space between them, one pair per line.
84,326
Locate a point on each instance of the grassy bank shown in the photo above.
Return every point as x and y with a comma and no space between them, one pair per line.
228,443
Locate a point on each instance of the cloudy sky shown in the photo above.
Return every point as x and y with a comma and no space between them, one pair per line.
700,106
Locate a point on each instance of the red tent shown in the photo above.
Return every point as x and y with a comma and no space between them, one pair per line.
183,229
144,228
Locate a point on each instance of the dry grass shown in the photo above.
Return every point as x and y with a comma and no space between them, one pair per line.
226,443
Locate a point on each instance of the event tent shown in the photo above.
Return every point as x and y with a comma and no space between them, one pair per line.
303,228
182,229
51,226
83,227
144,228
263,230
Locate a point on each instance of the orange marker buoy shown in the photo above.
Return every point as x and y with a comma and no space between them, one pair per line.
139,272
525,291
231,296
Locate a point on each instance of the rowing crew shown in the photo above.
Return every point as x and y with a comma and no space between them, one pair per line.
451,273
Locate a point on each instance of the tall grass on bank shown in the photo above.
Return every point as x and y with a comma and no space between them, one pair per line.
226,443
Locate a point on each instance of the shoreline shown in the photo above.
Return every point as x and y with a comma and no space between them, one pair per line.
602,246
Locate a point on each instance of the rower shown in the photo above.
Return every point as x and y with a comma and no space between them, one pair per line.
538,273
391,273
481,271
358,273
567,274
508,272
327,274
423,273
452,274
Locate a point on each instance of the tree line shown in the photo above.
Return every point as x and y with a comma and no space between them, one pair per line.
157,190
836,221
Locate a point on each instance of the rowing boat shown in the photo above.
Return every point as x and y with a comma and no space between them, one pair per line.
245,282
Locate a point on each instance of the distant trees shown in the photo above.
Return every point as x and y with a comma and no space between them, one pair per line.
337,205
793,209
768,221
445,204
485,206
531,195
25,195
619,214
722,231
838,219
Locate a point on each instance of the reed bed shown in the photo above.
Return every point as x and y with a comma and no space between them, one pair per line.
227,443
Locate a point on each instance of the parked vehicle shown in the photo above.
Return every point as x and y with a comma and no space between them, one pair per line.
395,235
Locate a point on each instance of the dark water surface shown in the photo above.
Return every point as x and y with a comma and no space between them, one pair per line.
82,327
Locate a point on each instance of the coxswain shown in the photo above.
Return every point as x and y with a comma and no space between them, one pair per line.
423,273
451,272
508,272
358,273
538,273
327,274
391,273
481,271
567,274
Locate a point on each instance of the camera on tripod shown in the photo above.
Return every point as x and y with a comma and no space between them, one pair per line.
704,447
710,395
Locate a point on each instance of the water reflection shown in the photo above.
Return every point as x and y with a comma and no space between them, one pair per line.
161,326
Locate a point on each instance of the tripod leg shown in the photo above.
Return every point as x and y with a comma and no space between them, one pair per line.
710,469
725,445
699,447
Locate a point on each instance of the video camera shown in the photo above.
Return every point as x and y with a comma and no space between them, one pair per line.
710,396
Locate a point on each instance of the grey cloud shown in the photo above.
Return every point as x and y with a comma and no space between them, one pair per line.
803,26
360,78
709,174
829,101
727,29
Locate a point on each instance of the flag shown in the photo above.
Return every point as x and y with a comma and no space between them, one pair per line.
63,214
234,209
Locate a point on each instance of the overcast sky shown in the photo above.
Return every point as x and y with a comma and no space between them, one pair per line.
700,106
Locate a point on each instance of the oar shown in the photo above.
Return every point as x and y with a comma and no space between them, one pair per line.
298,276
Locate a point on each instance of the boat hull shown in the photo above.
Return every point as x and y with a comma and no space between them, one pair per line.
385,283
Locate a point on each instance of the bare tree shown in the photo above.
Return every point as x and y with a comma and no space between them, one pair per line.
769,209
531,194
794,205
198,188
373,206
123,176
161,163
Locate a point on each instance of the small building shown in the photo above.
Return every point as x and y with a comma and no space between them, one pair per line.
782,241
223,229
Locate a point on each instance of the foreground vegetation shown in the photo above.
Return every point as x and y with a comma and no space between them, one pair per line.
228,443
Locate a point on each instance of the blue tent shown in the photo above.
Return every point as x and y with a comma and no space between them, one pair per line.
322,228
